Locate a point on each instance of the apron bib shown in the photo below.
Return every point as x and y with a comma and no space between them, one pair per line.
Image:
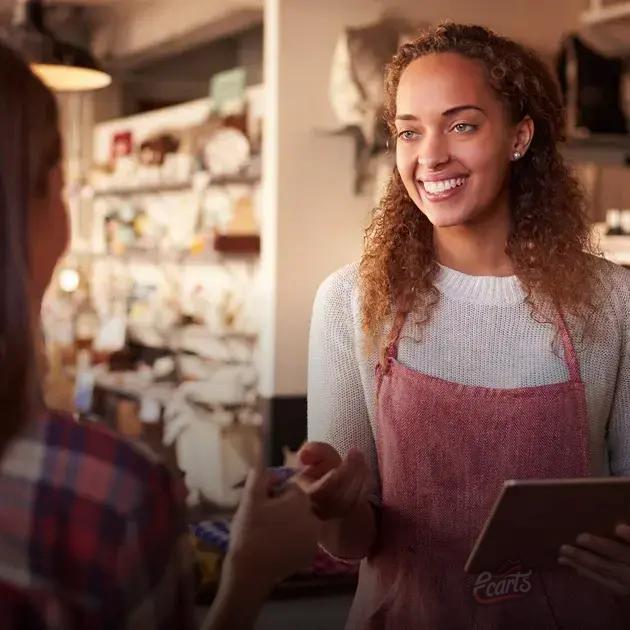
444,450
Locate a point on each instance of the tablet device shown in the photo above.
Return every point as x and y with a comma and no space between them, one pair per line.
531,519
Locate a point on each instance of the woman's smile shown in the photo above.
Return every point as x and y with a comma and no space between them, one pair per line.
437,190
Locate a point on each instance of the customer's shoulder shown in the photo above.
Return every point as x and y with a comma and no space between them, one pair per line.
61,431
92,461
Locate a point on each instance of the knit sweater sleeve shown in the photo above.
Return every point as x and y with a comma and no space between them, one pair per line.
337,409
619,423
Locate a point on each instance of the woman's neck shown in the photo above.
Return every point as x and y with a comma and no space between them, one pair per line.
476,249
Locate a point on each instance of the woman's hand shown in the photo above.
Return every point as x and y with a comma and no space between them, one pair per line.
604,560
271,536
334,484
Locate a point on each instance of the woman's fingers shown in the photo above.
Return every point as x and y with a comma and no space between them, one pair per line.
316,459
317,454
584,571
337,491
605,547
588,561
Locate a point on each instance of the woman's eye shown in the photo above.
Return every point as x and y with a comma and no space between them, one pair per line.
464,127
407,135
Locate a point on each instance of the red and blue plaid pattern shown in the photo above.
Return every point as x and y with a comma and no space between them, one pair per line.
95,525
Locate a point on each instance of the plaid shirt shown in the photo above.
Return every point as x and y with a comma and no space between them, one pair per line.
92,531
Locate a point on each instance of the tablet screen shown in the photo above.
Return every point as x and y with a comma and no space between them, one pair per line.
531,520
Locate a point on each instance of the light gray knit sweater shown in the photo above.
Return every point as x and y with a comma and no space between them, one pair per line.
481,333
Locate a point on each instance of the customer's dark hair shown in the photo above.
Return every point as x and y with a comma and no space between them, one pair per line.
29,147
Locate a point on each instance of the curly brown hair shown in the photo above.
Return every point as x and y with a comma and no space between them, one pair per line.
550,233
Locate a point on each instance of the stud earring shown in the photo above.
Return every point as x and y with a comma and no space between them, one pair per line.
516,155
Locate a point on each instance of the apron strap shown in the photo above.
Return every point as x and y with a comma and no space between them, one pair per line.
570,355
399,322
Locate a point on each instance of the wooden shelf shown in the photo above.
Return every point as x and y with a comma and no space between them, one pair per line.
154,189
599,148
148,189
237,243
178,258
225,180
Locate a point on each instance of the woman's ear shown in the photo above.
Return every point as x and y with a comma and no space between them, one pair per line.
523,136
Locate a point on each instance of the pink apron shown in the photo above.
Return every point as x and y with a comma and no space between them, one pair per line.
444,450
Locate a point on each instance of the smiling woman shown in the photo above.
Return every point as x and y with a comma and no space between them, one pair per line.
494,131
478,340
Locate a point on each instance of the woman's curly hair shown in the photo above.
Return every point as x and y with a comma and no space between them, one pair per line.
550,231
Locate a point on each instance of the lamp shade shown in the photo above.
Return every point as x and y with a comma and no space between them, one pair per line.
61,65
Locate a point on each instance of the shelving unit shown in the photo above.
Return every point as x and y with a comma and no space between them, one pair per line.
226,245
148,189
166,187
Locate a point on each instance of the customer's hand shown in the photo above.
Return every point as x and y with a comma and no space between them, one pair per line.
604,560
335,485
271,536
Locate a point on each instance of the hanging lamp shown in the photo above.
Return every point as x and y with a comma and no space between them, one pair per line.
62,66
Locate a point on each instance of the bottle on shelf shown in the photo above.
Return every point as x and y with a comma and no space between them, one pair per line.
613,221
84,383
86,325
625,222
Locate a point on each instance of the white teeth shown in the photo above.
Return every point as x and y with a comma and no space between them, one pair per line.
443,185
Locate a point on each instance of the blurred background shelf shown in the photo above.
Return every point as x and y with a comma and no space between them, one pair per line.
615,248
599,148
154,189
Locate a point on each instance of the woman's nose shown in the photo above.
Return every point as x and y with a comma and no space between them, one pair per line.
432,162
432,153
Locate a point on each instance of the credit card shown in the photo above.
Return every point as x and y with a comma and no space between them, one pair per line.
282,474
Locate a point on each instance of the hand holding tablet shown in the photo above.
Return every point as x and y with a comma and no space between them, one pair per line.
532,520
605,560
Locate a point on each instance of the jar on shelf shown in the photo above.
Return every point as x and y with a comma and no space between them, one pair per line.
613,222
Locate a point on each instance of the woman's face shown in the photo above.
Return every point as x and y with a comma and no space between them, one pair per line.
48,233
455,140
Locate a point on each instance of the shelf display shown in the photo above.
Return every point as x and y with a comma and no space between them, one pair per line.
153,318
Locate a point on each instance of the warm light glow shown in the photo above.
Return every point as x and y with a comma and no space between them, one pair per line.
69,280
71,78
